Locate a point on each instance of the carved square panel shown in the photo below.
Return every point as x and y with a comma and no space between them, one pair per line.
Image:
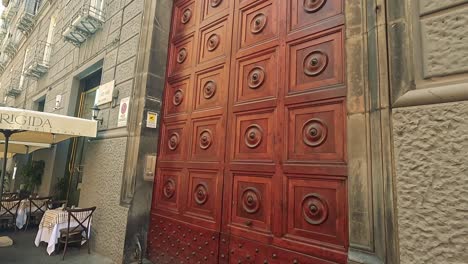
177,97
207,139
254,136
211,90
202,197
173,141
168,185
317,210
304,13
315,63
185,17
257,76
259,23
213,41
316,132
214,7
251,207
182,53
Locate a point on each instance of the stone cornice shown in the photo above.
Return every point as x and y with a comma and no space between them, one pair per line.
435,95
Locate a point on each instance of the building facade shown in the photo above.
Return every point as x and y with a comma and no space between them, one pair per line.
404,77
54,56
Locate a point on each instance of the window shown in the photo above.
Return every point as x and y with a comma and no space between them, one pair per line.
22,70
97,8
48,44
37,6
40,105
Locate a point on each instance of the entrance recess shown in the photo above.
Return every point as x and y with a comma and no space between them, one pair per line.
252,153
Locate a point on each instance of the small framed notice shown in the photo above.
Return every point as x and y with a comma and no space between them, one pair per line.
151,119
123,112
104,93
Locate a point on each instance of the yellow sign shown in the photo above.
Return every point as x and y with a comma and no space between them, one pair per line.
151,119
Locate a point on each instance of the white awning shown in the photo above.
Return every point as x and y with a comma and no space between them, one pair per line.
41,127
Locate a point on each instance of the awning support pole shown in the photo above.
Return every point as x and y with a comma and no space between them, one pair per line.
7,134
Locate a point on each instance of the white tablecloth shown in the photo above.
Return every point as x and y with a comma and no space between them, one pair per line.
22,216
23,212
51,235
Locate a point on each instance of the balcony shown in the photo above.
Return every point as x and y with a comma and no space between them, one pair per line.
13,88
11,10
3,30
37,62
27,15
3,62
11,43
88,19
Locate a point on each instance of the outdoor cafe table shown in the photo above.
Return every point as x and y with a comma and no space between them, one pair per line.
51,224
23,210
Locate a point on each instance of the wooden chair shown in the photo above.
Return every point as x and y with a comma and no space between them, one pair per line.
37,208
9,210
80,232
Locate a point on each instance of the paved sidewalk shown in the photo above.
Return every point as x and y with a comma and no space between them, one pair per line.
24,251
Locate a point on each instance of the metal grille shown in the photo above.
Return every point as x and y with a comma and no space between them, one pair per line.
11,10
11,43
87,19
13,88
38,59
27,15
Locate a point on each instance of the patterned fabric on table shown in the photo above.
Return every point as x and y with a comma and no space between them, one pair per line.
58,216
10,205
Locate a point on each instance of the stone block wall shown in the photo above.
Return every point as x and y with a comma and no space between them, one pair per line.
431,160
113,48
444,37
101,188
428,73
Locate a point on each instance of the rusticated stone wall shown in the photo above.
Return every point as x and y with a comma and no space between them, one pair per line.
431,159
101,188
444,38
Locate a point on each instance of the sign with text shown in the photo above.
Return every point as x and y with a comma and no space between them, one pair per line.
123,112
104,93
151,120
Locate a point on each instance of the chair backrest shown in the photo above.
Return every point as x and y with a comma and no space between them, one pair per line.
83,217
10,195
9,207
39,204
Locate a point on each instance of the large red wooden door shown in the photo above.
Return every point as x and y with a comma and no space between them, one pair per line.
252,155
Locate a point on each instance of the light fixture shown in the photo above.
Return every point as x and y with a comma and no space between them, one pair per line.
58,102
115,96
95,113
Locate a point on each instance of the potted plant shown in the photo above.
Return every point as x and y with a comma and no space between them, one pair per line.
32,175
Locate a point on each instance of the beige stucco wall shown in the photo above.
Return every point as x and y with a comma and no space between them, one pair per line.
102,182
431,159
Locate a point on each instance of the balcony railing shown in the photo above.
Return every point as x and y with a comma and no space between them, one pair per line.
3,30
11,43
13,88
37,61
11,10
3,62
27,15
87,20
